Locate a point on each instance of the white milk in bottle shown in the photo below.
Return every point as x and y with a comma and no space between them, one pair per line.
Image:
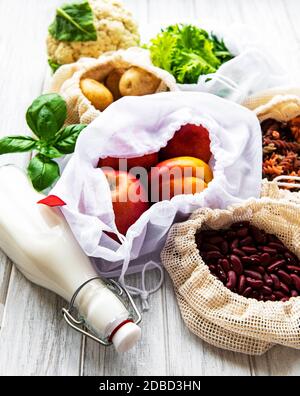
39,241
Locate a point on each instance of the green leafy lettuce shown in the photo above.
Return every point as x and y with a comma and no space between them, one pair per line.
45,117
187,52
74,22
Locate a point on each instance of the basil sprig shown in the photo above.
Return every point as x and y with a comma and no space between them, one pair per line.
74,22
45,117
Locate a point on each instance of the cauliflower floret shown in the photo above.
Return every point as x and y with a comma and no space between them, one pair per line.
115,29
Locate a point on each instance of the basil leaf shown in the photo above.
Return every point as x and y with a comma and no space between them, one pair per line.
50,152
46,115
67,138
74,22
54,66
43,172
17,144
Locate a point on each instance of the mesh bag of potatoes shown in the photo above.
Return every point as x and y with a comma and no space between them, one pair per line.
89,85
236,273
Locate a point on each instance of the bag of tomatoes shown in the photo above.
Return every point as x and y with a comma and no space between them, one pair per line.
146,162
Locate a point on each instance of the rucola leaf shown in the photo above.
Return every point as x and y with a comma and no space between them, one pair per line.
67,137
46,115
17,144
43,172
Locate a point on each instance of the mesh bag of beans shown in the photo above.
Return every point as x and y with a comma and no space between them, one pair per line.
68,78
226,317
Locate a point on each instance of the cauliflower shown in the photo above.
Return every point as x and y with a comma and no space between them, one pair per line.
115,29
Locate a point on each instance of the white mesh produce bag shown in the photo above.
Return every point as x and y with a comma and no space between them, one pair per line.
132,127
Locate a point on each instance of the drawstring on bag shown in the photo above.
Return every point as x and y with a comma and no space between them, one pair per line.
135,291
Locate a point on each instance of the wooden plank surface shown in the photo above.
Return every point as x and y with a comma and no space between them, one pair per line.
33,338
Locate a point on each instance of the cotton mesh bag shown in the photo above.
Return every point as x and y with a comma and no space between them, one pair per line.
213,312
280,104
132,127
66,80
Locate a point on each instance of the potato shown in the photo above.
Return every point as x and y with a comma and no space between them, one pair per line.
113,80
138,82
97,93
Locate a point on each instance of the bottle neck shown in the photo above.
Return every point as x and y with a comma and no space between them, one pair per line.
101,309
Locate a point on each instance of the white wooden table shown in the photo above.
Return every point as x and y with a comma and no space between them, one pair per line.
34,339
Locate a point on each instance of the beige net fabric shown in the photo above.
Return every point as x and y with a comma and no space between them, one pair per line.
213,312
66,81
271,98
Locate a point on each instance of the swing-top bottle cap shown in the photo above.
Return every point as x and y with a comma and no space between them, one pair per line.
126,336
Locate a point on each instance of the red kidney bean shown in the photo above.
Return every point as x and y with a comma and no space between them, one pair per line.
277,264
238,252
278,246
247,260
284,277
221,273
253,274
265,258
234,244
268,280
240,257
246,241
231,234
284,288
213,268
291,259
224,247
275,280
293,268
214,240
206,247
296,281
241,284
255,256
236,264
252,260
257,234
279,294
269,250
255,294
294,293
247,291
224,264
249,249
254,283
232,279
242,233
213,255
266,290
